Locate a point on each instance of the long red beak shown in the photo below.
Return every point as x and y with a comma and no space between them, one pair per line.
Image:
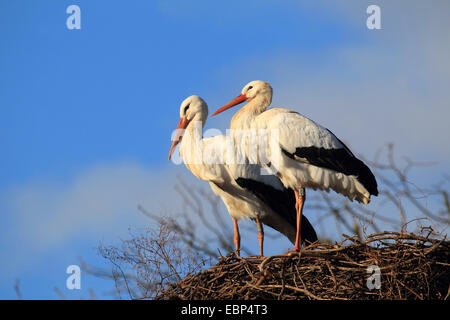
182,124
239,99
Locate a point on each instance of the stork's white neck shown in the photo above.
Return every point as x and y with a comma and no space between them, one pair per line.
245,115
191,142
191,149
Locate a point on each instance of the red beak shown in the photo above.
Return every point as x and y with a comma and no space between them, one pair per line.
182,124
239,99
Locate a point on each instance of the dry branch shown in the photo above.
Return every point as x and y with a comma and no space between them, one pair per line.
411,266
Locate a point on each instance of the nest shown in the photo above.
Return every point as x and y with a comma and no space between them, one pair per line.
388,265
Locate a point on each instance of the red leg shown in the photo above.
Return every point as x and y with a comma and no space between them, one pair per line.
260,236
300,197
237,237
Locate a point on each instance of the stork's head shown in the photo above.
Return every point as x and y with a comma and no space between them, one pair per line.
256,88
253,90
192,108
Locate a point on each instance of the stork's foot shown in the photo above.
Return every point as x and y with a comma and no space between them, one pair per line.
234,255
293,251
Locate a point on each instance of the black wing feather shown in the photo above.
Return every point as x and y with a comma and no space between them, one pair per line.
340,160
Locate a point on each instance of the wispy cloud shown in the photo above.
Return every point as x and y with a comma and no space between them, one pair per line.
100,203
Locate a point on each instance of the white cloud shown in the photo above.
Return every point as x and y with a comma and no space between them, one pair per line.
99,204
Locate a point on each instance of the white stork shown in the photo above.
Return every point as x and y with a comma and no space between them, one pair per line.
303,153
245,192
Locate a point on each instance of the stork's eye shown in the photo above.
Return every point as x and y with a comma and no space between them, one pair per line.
251,87
186,108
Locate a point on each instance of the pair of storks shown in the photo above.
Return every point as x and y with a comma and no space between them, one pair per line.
297,152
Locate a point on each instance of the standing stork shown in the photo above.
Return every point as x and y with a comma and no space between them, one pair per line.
303,153
245,192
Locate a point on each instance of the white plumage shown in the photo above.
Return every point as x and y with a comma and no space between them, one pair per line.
301,152
245,192
296,131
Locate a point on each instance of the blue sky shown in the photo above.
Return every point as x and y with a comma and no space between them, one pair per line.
86,115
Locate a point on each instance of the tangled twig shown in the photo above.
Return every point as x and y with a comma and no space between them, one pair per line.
411,267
